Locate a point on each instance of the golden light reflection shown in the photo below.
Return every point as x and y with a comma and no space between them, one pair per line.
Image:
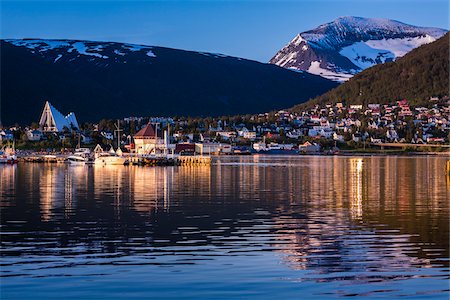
405,194
51,186
8,174
356,182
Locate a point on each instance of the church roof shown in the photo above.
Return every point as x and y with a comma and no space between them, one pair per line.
57,119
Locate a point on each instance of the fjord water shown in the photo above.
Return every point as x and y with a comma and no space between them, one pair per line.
261,227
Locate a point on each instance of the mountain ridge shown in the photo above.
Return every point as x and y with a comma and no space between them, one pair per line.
113,80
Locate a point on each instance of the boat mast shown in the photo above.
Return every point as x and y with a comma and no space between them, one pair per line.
118,130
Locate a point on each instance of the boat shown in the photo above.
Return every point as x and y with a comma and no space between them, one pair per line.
81,156
260,147
241,150
274,148
8,155
109,158
76,160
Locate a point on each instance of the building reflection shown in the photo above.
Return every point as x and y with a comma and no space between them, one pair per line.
322,211
51,190
356,182
8,183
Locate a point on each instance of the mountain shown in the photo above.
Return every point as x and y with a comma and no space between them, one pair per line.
417,76
113,80
342,48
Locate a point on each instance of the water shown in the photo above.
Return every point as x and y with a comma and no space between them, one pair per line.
261,227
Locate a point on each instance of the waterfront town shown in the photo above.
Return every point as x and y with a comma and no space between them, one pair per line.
327,129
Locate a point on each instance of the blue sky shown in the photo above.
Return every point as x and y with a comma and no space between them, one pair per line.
250,29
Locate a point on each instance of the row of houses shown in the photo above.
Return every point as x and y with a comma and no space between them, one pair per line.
374,123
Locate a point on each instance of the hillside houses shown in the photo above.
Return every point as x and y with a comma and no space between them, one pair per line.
398,122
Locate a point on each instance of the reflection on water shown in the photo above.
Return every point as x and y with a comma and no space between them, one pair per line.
258,226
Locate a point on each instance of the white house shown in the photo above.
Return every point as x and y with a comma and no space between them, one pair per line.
107,135
338,137
294,134
226,135
34,135
6,135
356,106
148,140
391,134
247,134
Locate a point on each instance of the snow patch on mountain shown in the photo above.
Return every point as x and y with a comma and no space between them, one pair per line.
400,47
119,53
83,49
58,57
151,54
287,58
42,45
135,48
364,56
315,68
87,48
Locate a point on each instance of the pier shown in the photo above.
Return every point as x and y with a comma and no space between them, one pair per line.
194,160
134,160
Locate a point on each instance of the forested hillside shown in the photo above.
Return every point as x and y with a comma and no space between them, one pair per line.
420,74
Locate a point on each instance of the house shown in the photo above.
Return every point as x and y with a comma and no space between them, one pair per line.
338,137
34,135
212,148
308,147
185,148
107,135
294,134
315,119
376,140
98,149
356,137
226,135
148,140
356,107
6,135
247,134
86,139
53,121
391,134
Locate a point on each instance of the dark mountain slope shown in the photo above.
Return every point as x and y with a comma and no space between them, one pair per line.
420,74
112,80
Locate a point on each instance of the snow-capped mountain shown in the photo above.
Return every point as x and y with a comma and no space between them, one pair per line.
340,49
113,80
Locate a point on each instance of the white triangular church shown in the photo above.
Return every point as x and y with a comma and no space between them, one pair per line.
53,120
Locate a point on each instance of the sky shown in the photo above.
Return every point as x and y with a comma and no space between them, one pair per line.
250,29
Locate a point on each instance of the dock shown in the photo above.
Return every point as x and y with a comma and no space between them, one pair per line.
134,160
194,160
43,158
171,160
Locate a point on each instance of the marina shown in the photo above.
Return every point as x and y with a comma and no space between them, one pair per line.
109,159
